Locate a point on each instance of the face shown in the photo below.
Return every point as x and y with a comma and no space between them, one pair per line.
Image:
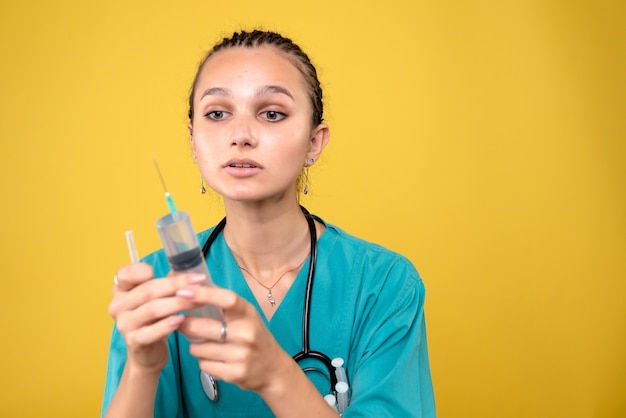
251,132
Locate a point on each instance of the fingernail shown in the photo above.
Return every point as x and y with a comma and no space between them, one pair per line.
196,278
185,293
177,320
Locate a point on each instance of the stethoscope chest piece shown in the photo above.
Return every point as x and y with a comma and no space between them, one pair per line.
209,385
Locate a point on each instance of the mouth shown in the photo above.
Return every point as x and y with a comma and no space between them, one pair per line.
242,165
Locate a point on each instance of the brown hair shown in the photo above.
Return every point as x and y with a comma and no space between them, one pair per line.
293,52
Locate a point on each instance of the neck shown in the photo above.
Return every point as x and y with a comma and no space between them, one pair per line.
267,242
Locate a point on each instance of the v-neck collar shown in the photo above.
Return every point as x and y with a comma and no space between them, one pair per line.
228,275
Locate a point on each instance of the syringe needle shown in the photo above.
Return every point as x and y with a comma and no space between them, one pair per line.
168,198
159,172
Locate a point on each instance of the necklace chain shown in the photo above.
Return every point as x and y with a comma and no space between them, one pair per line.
270,297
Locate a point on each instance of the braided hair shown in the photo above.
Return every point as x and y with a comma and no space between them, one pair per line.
291,50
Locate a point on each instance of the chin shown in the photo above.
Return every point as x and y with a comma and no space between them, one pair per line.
257,197
244,196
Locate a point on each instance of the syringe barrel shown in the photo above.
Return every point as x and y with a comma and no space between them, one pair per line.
184,255
340,372
331,401
343,397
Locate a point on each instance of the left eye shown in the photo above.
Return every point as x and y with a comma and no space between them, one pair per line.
273,116
216,115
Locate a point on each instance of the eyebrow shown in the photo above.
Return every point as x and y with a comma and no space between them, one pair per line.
215,91
261,91
273,90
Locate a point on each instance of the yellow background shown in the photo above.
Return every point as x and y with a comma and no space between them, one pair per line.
485,140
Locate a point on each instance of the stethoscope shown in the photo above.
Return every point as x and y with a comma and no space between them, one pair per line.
338,396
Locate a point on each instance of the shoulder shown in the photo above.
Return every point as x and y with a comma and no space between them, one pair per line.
368,270
361,252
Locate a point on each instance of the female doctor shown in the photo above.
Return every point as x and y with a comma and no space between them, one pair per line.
255,127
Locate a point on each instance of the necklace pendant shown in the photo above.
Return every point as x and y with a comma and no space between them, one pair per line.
270,297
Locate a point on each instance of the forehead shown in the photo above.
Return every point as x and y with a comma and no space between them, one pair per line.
242,66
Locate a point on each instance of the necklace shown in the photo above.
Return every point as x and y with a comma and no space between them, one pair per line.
270,297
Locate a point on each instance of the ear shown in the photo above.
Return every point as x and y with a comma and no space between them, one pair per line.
319,139
191,141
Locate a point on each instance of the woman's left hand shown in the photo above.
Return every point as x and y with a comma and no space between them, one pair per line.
249,356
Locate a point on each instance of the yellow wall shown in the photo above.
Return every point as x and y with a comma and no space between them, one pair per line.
483,139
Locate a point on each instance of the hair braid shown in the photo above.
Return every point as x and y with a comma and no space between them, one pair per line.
293,52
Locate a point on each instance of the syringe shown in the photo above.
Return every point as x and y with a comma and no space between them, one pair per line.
132,248
182,248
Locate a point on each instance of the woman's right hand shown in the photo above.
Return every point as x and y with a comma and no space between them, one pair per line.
146,311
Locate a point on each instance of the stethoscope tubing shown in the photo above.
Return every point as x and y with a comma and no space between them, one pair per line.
306,352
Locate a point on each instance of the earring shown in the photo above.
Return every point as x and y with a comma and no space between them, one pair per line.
306,176
202,188
306,181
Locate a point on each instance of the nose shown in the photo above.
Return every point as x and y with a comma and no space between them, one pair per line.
243,133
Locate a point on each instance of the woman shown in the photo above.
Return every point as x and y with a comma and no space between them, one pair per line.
255,125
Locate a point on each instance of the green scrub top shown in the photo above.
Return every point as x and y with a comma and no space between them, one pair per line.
367,307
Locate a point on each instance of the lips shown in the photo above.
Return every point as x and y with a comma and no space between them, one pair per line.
242,163
242,168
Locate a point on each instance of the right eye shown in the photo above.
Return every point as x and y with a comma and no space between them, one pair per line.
216,115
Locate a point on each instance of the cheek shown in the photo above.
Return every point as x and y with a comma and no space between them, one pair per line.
204,143
206,158
292,152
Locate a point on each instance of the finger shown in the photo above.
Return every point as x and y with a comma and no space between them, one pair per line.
206,329
227,371
223,353
151,290
132,275
151,312
155,332
231,304
228,351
